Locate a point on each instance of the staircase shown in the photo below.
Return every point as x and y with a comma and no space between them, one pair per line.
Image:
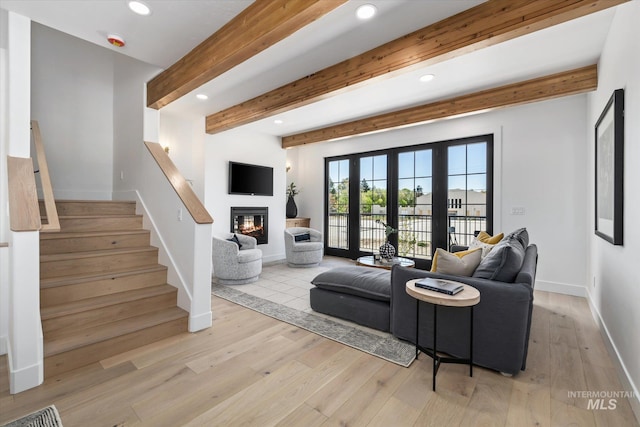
102,291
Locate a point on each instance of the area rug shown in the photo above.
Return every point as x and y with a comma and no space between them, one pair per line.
385,347
47,417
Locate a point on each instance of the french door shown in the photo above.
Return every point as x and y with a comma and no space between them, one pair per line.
434,195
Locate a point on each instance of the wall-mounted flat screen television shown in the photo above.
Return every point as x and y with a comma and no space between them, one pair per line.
250,179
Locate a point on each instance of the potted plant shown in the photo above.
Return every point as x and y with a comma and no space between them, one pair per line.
292,209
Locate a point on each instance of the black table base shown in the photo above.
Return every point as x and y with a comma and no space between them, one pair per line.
433,353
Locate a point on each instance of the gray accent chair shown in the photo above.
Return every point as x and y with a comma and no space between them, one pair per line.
301,252
233,265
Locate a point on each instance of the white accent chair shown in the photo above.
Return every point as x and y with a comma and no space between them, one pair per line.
233,265
300,251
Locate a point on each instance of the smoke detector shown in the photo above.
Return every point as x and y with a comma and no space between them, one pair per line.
115,40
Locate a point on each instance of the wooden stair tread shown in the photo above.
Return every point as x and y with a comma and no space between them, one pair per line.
79,278
93,254
85,337
102,290
72,307
98,216
132,202
78,234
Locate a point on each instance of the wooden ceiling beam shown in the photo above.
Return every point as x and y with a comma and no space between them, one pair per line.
259,26
562,84
487,24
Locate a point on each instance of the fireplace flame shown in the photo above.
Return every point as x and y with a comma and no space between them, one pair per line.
248,226
250,222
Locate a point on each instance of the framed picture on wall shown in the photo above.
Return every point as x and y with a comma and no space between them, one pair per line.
609,169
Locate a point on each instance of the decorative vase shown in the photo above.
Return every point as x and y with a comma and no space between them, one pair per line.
387,251
292,209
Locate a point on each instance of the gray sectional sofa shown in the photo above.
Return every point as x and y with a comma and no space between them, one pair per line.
359,294
502,318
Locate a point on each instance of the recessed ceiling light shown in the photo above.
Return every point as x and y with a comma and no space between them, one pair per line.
366,11
202,96
427,78
278,121
139,7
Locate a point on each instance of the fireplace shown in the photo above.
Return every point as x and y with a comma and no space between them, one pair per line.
252,222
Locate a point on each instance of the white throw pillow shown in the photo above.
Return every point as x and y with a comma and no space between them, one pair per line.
486,247
449,263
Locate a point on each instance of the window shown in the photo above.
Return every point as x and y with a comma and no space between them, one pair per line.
373,201
415,203
467,189
338,202
435,195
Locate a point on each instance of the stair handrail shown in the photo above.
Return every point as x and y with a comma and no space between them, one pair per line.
190,199
53,222
24,211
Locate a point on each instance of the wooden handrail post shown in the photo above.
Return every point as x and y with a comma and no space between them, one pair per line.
24,213
53,222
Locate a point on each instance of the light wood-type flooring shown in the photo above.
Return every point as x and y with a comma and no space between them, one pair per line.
252,370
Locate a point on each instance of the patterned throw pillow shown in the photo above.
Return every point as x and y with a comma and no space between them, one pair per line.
302,237
485,241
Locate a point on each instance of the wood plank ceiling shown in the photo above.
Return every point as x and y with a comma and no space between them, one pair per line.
487,24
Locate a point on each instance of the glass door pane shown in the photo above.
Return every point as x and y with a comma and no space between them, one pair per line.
414,195
338,202
373,202
467,192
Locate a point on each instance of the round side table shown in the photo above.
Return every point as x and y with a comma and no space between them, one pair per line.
468,297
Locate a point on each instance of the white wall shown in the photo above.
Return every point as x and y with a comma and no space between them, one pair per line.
72,99
539,164
185,138
613,281
128,148
246,147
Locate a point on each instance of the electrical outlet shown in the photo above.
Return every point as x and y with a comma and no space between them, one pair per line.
517,210
179,214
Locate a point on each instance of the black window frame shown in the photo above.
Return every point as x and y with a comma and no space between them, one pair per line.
440,238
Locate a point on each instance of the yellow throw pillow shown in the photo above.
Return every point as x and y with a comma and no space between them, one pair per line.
485,237
461,263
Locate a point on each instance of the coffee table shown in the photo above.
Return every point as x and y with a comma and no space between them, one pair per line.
370,261
468,297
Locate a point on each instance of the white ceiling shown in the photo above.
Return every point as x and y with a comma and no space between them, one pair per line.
176,27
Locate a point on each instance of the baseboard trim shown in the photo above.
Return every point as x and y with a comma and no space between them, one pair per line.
200,321
623,373
273,259
561,288
25,378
